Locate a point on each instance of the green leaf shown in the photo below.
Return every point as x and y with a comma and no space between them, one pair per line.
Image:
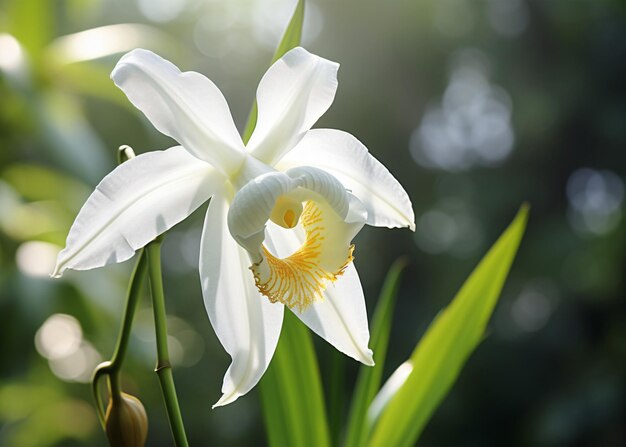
448,342
290,39
291,391
32,23
369,378
335,392
293,33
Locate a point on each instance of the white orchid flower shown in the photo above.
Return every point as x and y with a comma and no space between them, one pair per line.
283,211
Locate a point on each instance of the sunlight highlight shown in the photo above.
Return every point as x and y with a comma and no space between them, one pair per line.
11,54
35,258
472,124
102,41
70,357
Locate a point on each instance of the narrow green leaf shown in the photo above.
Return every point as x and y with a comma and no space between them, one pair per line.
290,39
291,391
448,342
335,393
251,124
277,425
293,33
369,378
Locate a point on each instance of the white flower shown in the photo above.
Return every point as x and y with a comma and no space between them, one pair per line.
283,211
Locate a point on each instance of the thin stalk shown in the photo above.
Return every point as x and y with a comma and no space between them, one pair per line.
134,292
113,367
163,367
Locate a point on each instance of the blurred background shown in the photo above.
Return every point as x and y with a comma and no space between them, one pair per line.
474,106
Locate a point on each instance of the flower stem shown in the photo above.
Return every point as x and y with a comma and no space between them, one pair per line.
163,367
134,292
113,367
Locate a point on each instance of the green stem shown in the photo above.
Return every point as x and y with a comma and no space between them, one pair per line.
101,370
134,292
112,368
164,368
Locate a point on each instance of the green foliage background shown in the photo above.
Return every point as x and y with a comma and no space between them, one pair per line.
550,371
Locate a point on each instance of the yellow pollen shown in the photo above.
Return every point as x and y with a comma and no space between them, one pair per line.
286,212
290,218
299,279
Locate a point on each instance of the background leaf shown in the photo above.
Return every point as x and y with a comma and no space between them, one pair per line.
369,378
291,39
31,22
451,338
291,391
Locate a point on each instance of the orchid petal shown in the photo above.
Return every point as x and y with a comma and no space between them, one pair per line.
340,318
136,202
185,106
347,159
247,324
291,97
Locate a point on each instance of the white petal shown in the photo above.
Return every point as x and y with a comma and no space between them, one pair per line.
136,202
341,318
246,323
292,96
185,106
346,158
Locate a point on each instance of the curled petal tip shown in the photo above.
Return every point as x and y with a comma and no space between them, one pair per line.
57,272
412,226
225,400
368,358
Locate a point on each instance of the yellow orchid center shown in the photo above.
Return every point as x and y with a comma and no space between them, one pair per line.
286,212
301,278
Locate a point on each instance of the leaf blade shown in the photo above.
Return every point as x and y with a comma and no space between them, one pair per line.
291,391
369,378
291,39
454,334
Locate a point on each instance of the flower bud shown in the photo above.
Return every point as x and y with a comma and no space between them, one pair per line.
124,153
126,421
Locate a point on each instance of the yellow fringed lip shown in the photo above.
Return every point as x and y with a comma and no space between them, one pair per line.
324,218
300,279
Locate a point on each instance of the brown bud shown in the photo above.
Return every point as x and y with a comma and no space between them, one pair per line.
126,422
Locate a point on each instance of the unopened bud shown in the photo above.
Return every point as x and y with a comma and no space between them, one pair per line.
126,422
124,153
